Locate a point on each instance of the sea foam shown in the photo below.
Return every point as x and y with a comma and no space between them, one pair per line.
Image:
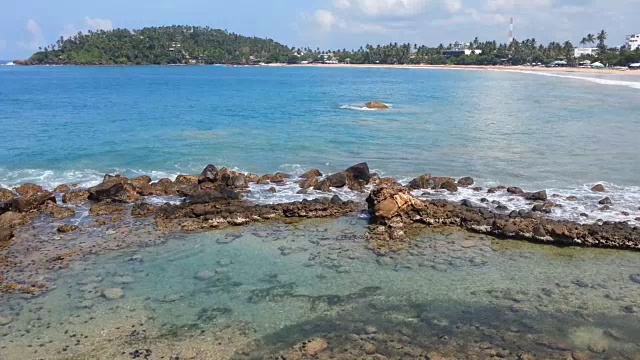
630,84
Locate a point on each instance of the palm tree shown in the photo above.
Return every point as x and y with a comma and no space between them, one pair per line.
583,42
591,38
602,36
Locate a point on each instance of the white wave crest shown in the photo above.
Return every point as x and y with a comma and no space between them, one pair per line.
360,107
630,84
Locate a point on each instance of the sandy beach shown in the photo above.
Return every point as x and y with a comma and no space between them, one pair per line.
477,67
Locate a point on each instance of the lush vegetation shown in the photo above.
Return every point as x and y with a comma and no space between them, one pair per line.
160,45
203,45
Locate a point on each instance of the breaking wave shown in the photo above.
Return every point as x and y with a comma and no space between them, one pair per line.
629,84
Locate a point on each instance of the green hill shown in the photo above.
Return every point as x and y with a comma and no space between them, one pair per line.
160,45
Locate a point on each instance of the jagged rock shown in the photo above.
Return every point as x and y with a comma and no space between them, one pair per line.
29,190
598,188
114,188
572,198
143,209
376,105
466,181
337,180
449,186
307,183
272,190
75,197
208,174
162,187
441,182
6,234
204,197
313,173
323,186
12,220
62,189
67,228
32,201
141,181
6,195
315,347
358,172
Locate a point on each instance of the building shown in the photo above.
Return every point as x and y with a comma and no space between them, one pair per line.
577,52
633,42
461,52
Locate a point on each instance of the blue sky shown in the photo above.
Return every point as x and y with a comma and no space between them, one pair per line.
27,24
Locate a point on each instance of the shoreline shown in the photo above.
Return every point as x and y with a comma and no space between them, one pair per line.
506,68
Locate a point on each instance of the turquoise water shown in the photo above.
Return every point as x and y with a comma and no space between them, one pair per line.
286,284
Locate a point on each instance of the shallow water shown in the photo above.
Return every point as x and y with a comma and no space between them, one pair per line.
283,284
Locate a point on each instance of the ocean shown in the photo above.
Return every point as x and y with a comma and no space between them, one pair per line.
312,289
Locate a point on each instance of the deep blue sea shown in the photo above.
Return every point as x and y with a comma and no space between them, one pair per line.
562,132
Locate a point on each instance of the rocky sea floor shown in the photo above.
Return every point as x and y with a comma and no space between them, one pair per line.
313,290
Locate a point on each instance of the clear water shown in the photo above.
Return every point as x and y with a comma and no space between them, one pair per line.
290,283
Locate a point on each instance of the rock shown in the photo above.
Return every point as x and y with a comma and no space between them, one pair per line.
313,173
598,188
28,190
538,231
62,189
208,174
449,186
435,356
308,183
370,349
635,278
572,198
58,212
605,208
598,347
6,234
421,182
182,180
466,181
605,201
141,181
33,201
206,197
188,354
105,208
162,187
515,190
11,220
142,209
630,309
117,189
113,293
359,172
5,320
337,180
441,182
272,190
205,275
376,105
536,196
315,347
75,197
370,330
6,194
67,228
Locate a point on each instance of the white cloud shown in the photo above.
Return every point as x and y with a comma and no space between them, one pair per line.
500,5
35,36
342,4
98,24
324,20
452,5
386,8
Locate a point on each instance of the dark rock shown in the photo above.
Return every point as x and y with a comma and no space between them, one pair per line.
337,180
605,208
106,208
6,234
163,187
538,231
515,190
323,186
441,182
6,195
468,203
449,186
598,188
502,208
75,197
67,228
117,189
584,215
205,197
605,201
510,229
484,200
572,198
140,181
32,202
466,181
421,182
272,190
624,213
336,200
536,196
12,220
477,189
58,212
308,183
313,173
635,278
208,174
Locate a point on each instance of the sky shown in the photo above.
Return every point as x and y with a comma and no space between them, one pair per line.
26,25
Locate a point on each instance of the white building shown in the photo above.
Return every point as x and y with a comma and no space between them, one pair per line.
577,52
461,52
633,42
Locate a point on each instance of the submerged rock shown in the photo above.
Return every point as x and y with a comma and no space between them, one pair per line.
376,105
466,181
67,228
113,293
598,188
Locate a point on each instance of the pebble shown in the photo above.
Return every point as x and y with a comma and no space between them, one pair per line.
5,320
635,278
113,293
579,356
189,355
370,349
315,347
370,330
630,309
598,347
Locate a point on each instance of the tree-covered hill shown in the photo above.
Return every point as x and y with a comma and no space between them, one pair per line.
160,45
